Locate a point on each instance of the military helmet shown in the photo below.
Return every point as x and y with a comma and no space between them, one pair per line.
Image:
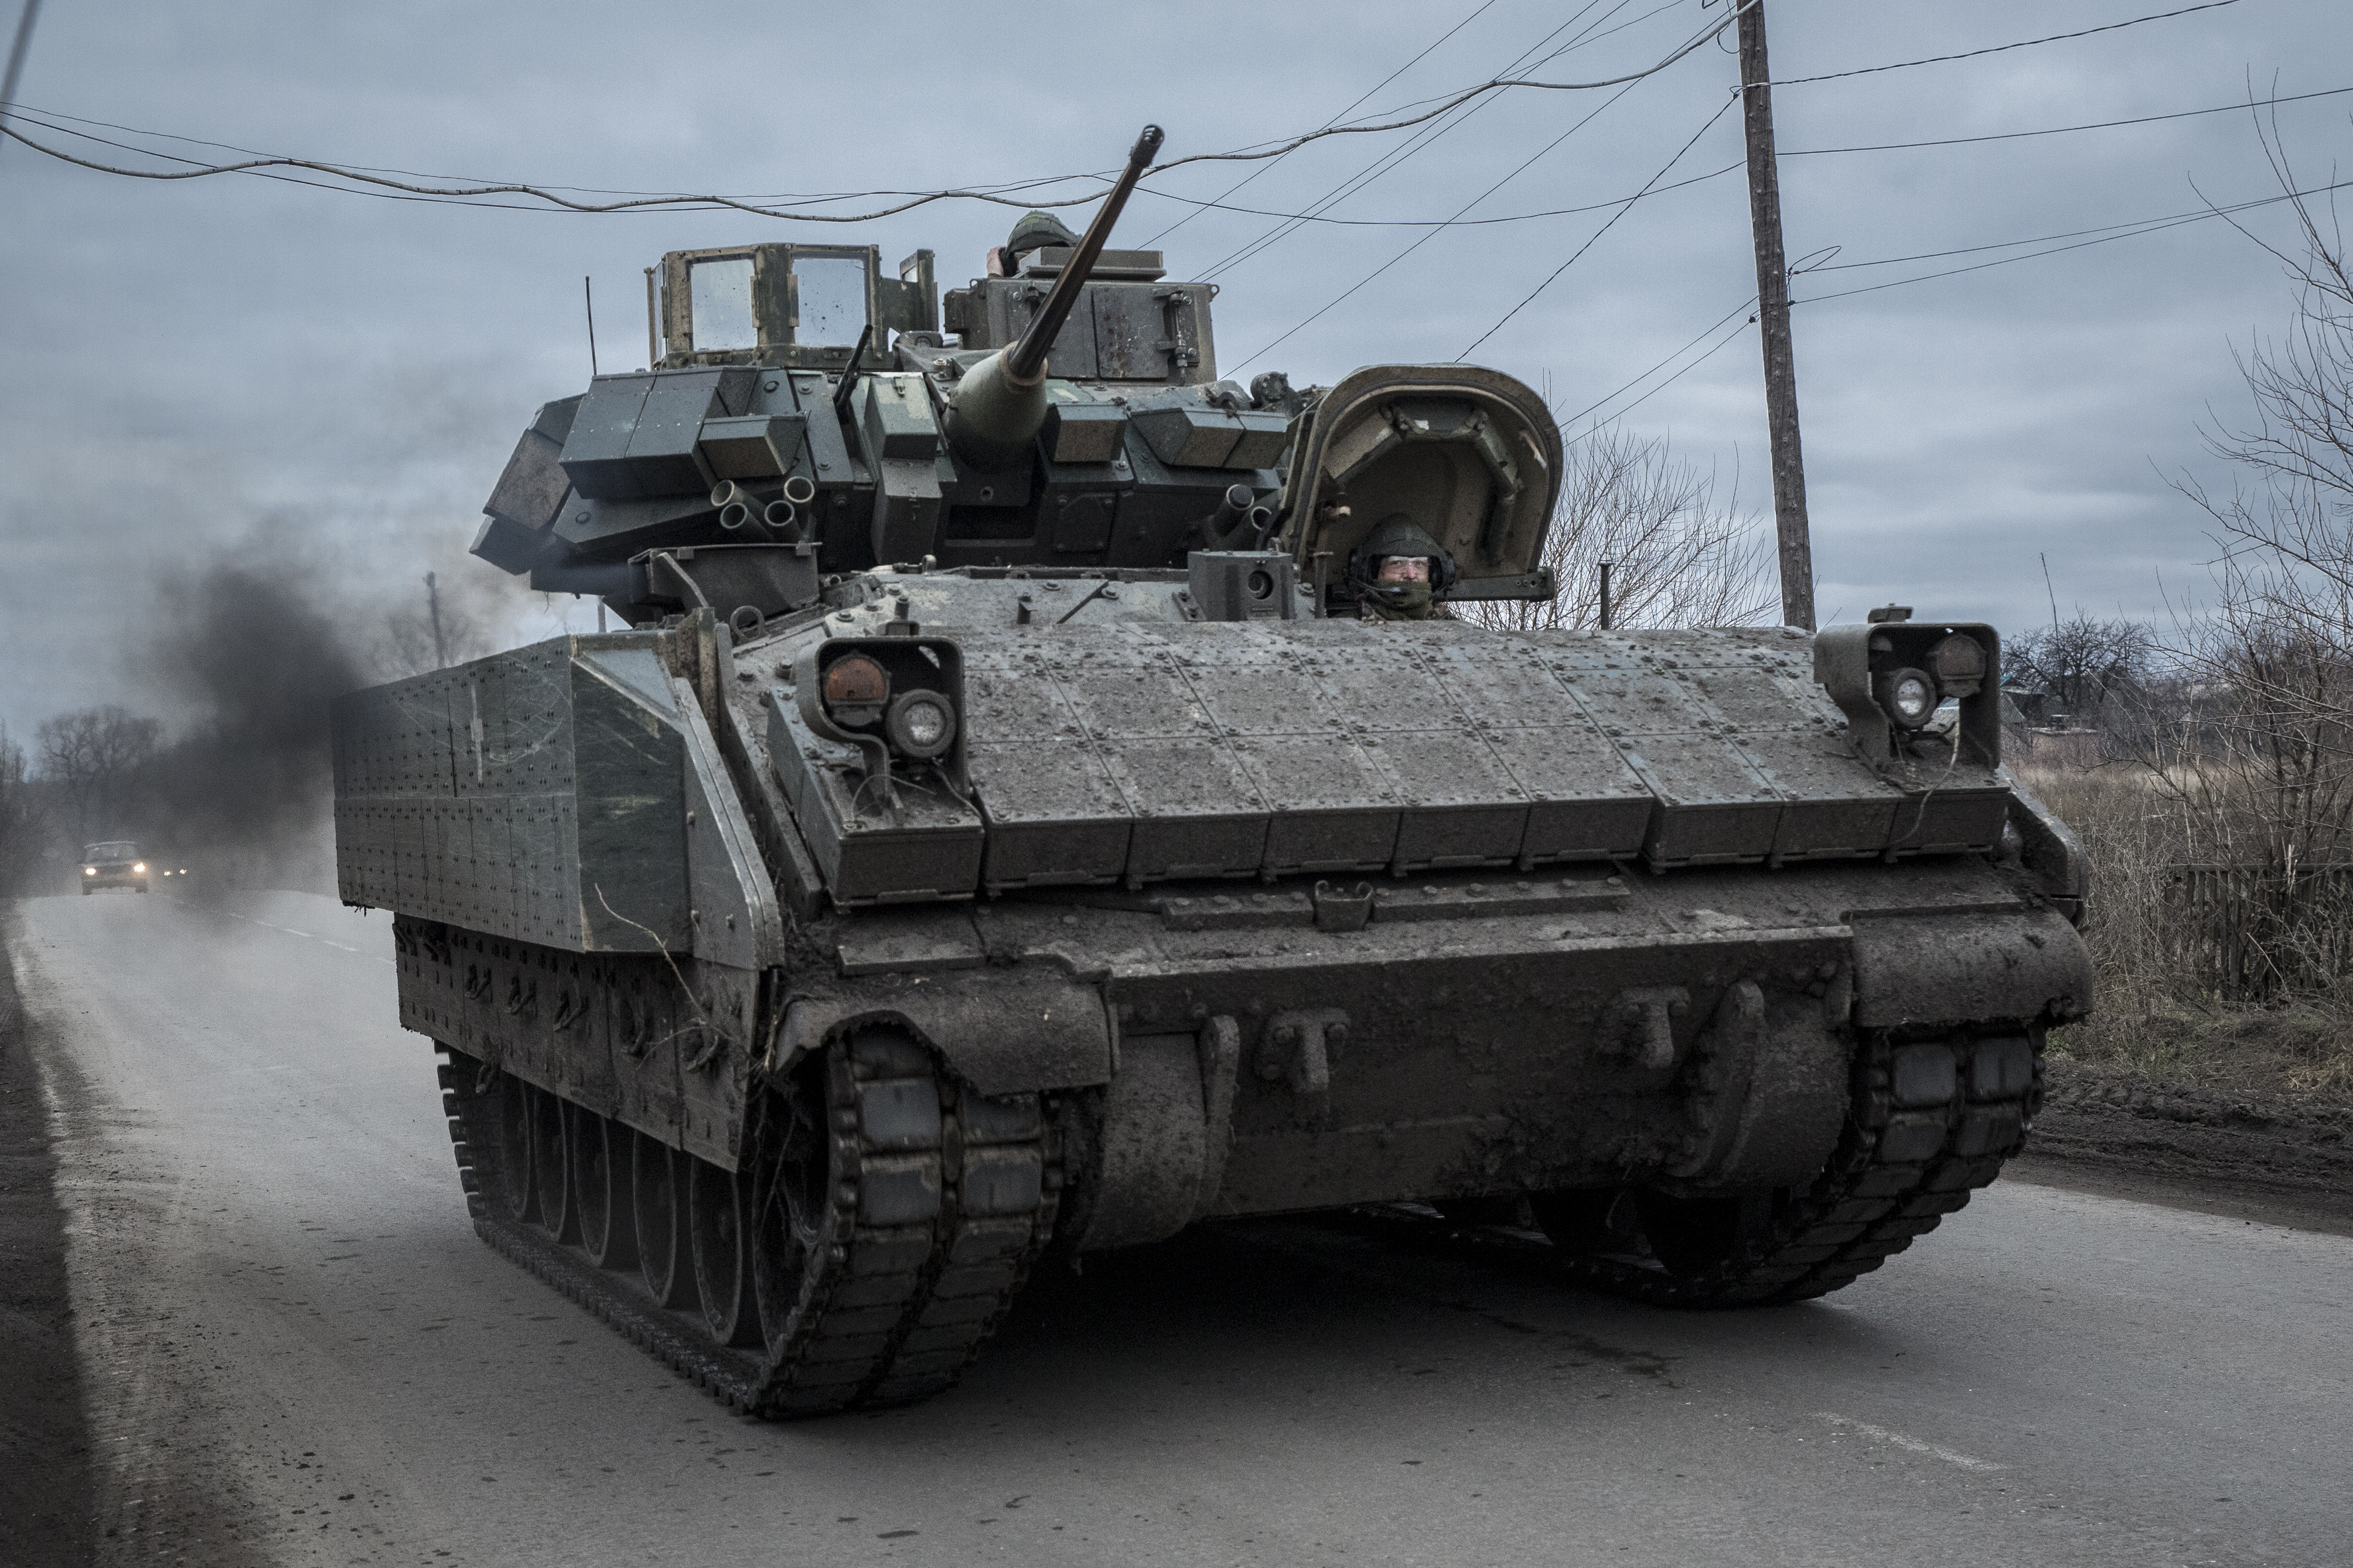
1399,534
1037,230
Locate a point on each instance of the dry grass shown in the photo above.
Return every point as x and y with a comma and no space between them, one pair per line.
2162,1013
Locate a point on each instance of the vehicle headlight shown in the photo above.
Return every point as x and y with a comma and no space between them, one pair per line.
1910,697
856,686
921,724
140,867
89,871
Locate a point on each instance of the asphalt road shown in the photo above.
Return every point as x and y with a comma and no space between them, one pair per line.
295,1350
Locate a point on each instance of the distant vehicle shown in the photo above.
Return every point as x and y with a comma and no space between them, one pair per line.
114,864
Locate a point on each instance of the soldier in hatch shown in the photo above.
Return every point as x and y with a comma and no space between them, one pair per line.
1397,571
1036,231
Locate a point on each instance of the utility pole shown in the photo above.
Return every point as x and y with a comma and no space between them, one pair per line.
16,50
433,605
1796,550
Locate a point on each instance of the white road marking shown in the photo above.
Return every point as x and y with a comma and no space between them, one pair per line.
290,930
339,944
1910,1444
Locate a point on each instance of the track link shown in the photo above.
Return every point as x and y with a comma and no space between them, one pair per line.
1930,1121
932,1204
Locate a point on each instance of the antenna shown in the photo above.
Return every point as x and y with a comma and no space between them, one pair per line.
588,293
2045,559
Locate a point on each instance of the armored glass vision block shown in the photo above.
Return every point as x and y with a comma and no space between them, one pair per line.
539,795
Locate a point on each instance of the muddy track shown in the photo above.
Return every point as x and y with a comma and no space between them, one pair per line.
920,1223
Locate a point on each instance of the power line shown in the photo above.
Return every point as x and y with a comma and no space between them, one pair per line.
1461,222
1595,237
554,198
1703,332
997,194
1999,48
44,116
1736,12
468,194
1254,173
1433,234
2163,220
2064,130
1496,85
1318,217
2123,231
1389,161
1713,349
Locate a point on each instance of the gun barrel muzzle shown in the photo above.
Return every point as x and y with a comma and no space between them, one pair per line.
1025,362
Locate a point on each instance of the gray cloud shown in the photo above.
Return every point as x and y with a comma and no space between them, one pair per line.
182,360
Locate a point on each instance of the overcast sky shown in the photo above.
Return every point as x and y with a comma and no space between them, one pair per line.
199,365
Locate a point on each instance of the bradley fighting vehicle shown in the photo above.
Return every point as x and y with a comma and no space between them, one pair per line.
999,836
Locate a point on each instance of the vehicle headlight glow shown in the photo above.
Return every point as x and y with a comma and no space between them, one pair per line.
140,867
89,871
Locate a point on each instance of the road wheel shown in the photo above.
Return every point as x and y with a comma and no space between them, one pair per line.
550,1170
723,1253
516,1189
600,1187
657,1204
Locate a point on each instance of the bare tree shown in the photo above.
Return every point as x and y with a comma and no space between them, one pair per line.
2283,629
1678,555
2091,667
473,607
16,815
2248,752
91,755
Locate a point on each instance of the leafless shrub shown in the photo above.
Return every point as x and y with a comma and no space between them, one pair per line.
92,755
2223,860
1678,555
2087,666
2201,963
19,816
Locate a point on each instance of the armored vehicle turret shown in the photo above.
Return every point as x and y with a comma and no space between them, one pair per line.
1043,802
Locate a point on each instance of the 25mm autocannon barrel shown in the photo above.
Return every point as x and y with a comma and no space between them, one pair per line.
1000,403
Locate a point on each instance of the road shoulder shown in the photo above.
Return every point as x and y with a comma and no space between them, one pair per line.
2243,1152
45,1452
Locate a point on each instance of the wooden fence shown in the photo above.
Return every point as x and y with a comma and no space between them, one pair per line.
2255,932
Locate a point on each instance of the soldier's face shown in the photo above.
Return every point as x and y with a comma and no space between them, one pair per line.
1404,568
